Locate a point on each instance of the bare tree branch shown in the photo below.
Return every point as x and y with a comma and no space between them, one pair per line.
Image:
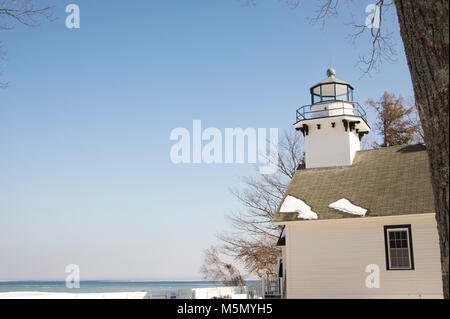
22,12
217,270
381,45
254,3
252,238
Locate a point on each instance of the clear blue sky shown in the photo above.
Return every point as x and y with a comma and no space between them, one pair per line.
85,173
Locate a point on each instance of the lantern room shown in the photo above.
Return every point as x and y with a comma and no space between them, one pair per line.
331,89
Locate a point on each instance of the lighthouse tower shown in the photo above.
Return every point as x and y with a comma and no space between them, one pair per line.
333,124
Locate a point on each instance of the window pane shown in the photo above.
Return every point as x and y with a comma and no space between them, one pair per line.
394,263
405,252
328,90
316,90
342,97
399,257
341,89
404,243
393,244
393,253
316,98
406,263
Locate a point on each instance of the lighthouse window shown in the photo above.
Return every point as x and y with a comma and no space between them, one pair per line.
328,98
315,98
341,92
316,90
331,92
328,90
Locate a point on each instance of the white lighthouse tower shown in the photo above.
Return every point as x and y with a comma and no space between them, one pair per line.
333,124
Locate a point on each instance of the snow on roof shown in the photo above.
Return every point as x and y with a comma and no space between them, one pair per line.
388,181
292,204
346,206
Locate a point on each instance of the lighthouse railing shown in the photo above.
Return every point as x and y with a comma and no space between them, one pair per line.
343,108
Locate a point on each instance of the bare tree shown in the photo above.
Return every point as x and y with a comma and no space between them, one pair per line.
215,269
252,238
24,12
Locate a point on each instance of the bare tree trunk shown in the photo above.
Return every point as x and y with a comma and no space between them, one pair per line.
424,30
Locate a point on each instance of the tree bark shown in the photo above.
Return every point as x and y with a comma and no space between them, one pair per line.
425,34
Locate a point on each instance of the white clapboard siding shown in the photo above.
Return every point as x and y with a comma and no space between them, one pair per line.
328,259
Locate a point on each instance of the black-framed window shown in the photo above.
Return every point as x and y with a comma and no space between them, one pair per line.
399,248
331,92
280,268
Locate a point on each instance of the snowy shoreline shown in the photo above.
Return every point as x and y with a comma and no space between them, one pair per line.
196,293
63,295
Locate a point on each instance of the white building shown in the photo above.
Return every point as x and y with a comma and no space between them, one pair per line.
357,224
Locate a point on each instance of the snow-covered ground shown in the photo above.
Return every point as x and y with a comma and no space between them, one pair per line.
197,293
59,295
223,292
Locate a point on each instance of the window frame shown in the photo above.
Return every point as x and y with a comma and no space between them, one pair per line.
346,97
389,228
280,267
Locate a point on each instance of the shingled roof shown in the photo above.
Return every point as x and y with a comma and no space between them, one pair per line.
387,181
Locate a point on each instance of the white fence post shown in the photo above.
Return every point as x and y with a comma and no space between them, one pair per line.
263,287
